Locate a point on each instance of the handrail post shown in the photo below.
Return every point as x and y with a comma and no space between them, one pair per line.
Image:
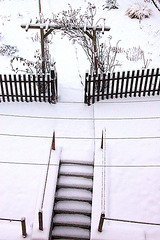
101,221
53,142
102,140
23,224
40,219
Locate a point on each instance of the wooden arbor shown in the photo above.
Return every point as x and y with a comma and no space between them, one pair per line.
46,29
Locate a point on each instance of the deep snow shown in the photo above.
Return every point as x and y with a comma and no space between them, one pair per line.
132,193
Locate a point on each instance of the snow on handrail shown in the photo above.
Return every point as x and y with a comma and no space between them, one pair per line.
40,213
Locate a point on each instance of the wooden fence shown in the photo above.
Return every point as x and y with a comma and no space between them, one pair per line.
28,88
125,84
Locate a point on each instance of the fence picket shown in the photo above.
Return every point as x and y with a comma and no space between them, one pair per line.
89,89
141,83
98,86
136,83
127,82
146,82
6,85
20,87
30,88
155,81
103,85
122,84
112,88
39,88
2,89
93,89
131,85
150,83
117,88
25,87
11,87
108,85
86,88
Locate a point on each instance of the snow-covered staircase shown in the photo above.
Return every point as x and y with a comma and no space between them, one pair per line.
73,201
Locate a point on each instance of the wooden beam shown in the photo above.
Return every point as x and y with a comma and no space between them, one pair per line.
47,33
53,26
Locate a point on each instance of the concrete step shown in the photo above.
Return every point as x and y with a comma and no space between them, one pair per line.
77,199
77,162
70,233
73,207
74,174
72,220
74,186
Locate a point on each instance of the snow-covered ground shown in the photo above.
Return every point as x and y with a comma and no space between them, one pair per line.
132,126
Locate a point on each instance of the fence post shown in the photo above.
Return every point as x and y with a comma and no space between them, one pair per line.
102,140
40,219
53,142
23,224
101,221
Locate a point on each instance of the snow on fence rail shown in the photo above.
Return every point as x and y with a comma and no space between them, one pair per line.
28,88
23,224
130,83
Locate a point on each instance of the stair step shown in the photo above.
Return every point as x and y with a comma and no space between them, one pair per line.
80,199
72,212
72,220
77,162
70,233
75,181
73,187
76,169
73,206
73,174
81,193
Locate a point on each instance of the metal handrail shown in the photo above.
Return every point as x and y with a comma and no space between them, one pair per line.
103,190
40,213
23,224
102,218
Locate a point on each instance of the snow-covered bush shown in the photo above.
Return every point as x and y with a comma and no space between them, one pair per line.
74,24
8,50
139,11
110,4
134,54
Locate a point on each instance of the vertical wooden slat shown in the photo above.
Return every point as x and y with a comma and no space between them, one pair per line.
107,85
98,86
48,88
117,87
30,88
122,84
136,83
127,83
150,83
25,88
103,85
6,85
34,81
20,87
2,88
89,89
16,88
39,88
155,81
141,83
11,87
44,87
131,83
113,83
146,82
93,89
86,88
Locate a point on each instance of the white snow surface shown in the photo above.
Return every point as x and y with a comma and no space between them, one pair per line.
132,193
